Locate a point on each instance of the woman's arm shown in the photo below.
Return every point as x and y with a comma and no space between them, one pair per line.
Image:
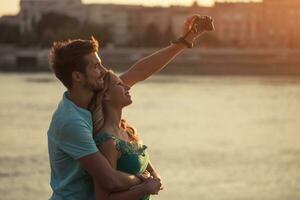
147,66
153,172
151,64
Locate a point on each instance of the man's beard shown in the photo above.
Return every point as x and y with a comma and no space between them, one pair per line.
93,86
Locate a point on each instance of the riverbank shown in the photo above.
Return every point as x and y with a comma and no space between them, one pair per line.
191,61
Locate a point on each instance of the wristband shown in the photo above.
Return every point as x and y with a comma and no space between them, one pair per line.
183,41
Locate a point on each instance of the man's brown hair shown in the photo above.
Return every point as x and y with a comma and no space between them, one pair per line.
68,56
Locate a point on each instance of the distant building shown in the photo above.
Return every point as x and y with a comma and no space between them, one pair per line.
10,19
282,24
32,10
272,23
238,23
114,16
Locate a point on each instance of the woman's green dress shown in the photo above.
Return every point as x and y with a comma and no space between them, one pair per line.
134,159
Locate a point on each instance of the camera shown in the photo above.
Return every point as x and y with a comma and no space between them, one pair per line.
203,23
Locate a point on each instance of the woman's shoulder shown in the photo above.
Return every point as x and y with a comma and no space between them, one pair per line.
108,140
103,137
108,146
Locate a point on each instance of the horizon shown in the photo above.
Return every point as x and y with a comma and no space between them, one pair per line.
12,6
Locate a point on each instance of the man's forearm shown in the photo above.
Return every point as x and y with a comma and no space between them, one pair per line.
123,181
147,66
106,176
132,194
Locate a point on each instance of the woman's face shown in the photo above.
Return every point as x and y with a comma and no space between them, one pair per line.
118,93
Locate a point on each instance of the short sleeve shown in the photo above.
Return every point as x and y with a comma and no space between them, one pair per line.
76,139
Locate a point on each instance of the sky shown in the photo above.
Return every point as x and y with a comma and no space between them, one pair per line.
12,6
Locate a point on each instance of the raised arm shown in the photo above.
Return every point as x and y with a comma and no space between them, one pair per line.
155,62
151,64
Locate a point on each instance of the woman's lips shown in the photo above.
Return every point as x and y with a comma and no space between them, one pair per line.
127,94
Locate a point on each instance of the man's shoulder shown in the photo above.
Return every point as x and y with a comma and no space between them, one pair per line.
69,111
66,119
69,128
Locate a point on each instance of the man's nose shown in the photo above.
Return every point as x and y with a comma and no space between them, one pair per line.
103,69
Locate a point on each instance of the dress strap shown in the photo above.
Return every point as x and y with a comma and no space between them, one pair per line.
101,138
121,145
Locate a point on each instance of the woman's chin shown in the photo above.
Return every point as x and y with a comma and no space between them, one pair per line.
127,103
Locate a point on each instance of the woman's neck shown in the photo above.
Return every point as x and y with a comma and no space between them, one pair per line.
112,120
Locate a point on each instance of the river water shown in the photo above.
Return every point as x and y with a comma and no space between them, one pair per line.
211,138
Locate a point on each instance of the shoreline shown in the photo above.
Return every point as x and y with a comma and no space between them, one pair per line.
198,61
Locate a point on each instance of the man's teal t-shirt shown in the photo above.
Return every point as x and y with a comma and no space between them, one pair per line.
69,139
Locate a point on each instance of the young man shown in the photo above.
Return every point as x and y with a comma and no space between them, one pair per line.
73,155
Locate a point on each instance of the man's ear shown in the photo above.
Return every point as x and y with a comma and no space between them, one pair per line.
77,76
106,96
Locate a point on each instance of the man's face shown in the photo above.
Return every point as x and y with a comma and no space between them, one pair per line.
95,72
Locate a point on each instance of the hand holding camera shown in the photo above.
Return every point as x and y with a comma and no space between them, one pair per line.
202,23
193,28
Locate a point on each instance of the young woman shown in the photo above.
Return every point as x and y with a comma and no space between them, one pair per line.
117,140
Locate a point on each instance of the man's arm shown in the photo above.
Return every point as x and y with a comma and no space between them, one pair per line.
76,140
134,194
151,186
110,179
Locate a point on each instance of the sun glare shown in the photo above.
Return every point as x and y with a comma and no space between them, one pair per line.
12,6
154,2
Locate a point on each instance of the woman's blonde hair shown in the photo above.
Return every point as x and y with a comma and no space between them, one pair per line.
96,107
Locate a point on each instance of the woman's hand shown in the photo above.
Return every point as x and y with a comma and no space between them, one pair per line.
189,32
147,175
154,174
144,176
153,185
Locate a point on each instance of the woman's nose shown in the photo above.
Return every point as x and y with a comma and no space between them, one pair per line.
127,87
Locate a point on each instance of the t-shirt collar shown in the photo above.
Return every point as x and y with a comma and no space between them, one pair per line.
66,100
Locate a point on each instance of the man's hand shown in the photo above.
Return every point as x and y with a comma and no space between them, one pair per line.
191,32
